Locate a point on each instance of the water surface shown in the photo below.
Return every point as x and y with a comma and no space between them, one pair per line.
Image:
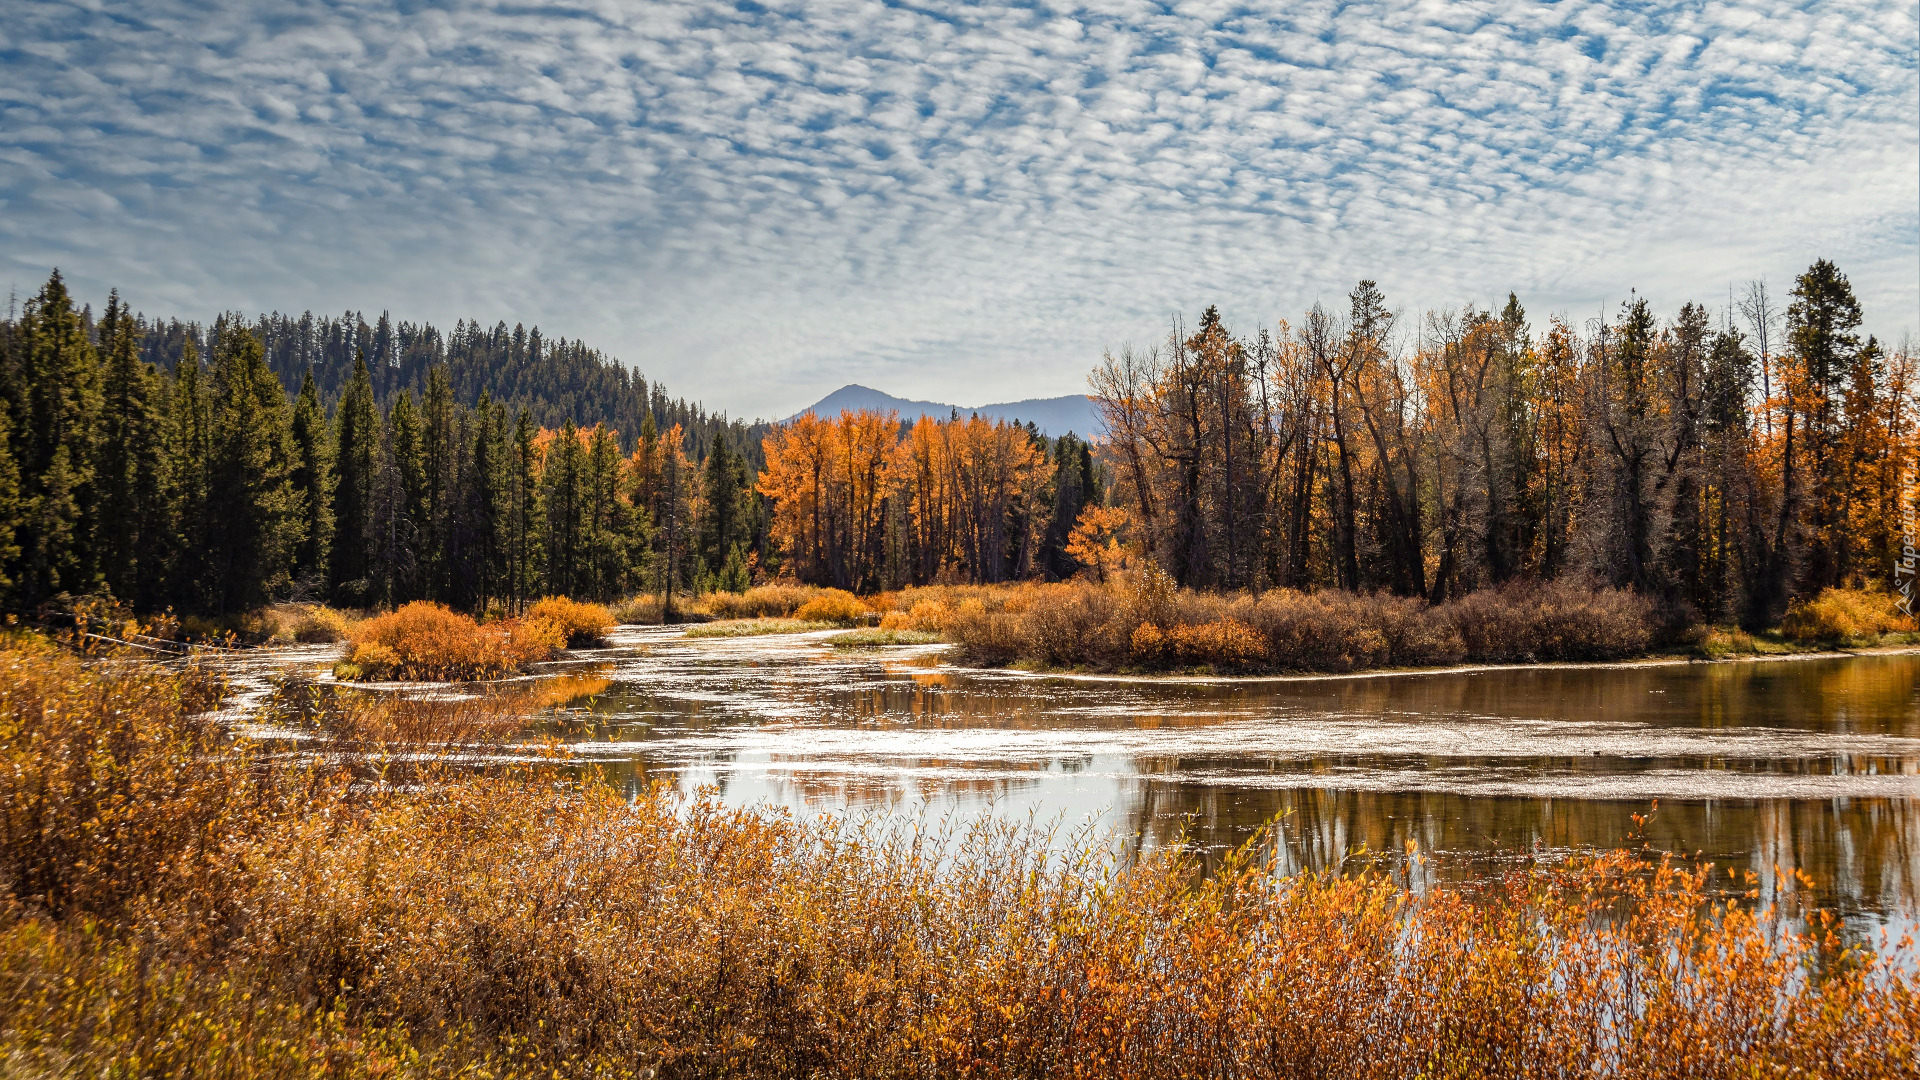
1808,765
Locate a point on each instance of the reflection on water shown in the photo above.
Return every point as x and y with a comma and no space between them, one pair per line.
1807,765
1810,765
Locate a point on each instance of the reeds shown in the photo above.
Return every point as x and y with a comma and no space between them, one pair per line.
174,904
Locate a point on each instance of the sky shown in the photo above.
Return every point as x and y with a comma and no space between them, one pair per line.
755,203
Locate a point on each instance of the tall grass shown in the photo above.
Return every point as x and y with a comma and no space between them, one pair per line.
176,904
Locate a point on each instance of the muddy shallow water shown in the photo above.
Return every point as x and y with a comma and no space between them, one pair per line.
1808,764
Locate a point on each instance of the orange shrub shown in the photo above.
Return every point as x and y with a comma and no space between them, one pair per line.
832,606
578,623
1842,616
424,640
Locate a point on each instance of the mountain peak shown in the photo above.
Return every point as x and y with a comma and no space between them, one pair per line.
1052,416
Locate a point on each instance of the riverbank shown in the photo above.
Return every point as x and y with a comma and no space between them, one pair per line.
370,910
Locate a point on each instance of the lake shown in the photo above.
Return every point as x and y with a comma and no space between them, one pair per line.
1809,765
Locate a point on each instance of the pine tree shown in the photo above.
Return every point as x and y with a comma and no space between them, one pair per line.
725,504
61,382
255,518
440,466
313,479
607,516
127,465
521,517
189,459
356,456
563,482
390,559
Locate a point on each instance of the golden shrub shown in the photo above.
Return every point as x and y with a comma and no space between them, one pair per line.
578,623
1227,643
424,640
1842,616
832,606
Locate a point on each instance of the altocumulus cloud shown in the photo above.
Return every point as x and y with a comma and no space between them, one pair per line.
759,201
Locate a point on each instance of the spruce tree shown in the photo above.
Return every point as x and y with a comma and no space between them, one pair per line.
313,479
608,516
127,465
188,459
255,518
563,503
726,507
522,513
440,467
356,456
60,377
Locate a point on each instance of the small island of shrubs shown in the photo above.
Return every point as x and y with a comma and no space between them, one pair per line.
425,640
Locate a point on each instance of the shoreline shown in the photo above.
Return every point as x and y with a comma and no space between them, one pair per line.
1649,661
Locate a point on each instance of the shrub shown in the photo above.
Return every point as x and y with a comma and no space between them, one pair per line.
578,623
179,904
832,606
760,601
424,640
1843,616
1561,620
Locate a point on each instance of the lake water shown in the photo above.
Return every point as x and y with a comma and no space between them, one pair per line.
1810,765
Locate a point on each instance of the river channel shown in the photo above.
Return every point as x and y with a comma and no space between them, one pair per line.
1808,765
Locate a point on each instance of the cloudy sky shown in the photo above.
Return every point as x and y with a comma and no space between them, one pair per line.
757,202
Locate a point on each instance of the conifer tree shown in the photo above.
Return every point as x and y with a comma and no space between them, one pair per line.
255,516
521,519
440,464
390,558
356,456
607,516
313,479
725,503
127,467
59,373
189,456
563,506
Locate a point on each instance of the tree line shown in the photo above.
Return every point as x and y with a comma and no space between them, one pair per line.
1721,466
170,466
867,502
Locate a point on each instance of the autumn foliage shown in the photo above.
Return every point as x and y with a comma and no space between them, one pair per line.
518,923
579,623
424,640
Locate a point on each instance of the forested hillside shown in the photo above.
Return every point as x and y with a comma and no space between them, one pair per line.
215,468
554,379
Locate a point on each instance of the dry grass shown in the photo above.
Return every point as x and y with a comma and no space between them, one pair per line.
874,637
579,623
423,640
731,628
759,602
1143,622
1843,617
178,905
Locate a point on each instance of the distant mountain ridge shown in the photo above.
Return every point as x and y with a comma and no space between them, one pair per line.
1053,416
